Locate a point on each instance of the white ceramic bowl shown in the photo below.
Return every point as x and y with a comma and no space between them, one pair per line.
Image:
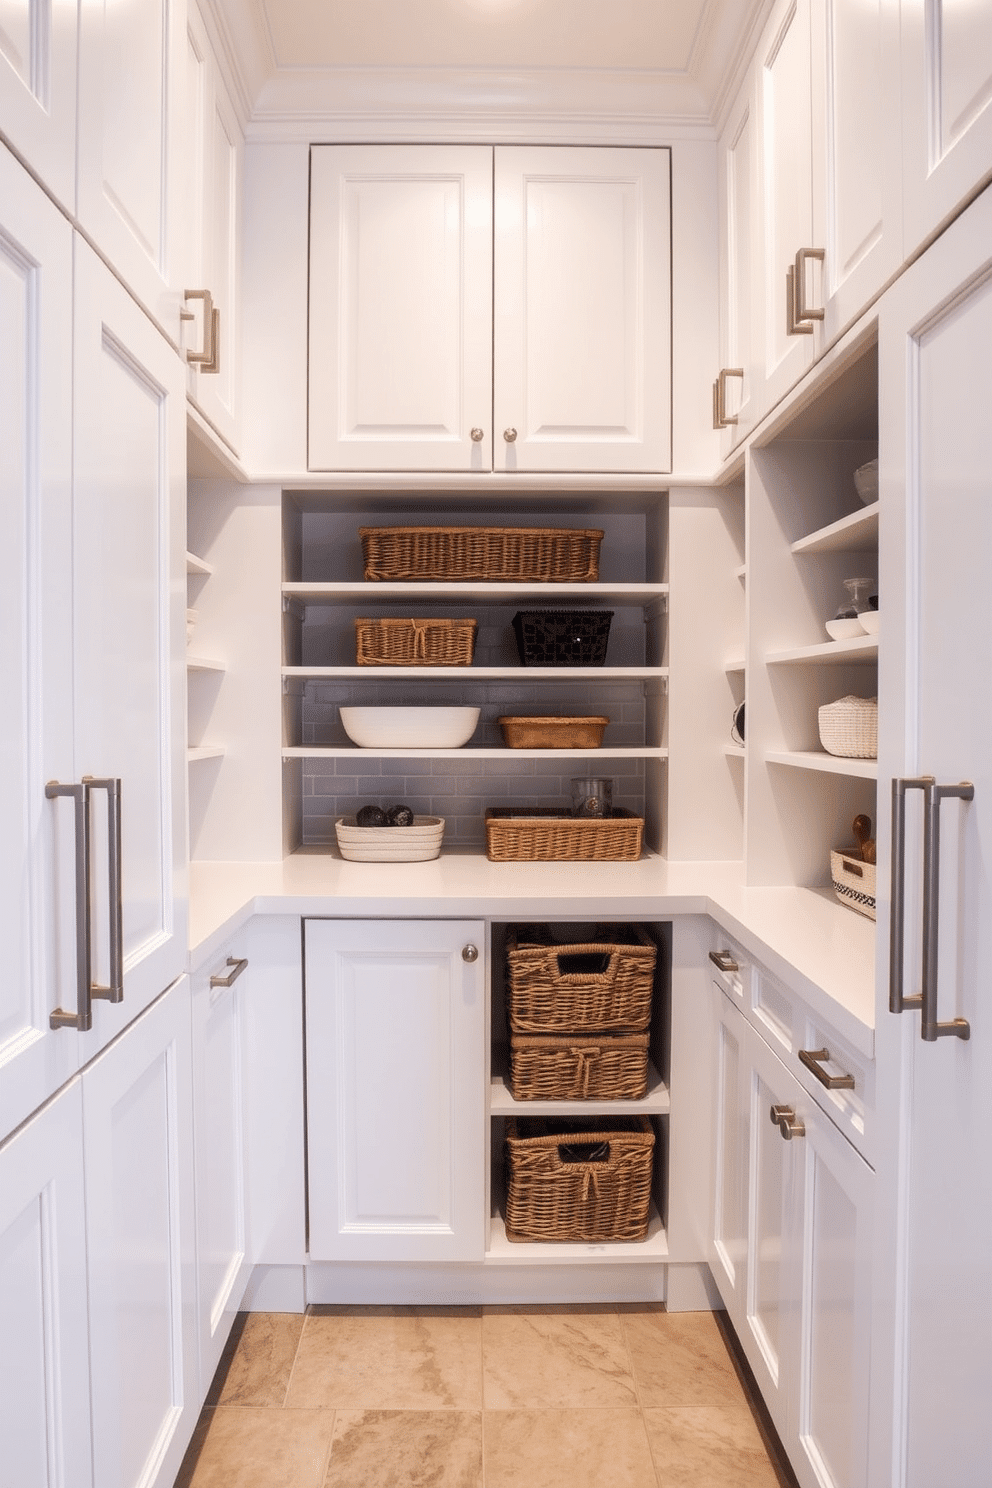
843,630
409,728
416,844
866,482
868,620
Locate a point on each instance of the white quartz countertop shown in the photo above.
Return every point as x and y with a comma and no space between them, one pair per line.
821,950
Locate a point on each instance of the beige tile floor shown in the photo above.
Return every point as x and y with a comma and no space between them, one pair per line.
487,1397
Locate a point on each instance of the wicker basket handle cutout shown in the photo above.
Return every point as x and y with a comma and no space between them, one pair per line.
592,965
583,1152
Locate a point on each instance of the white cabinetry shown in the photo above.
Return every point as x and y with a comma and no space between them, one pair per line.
215,149
792,1235
395,1095
222,1264
738,392
131,72
38,91
449,335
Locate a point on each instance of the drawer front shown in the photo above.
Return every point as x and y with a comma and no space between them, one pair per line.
731,970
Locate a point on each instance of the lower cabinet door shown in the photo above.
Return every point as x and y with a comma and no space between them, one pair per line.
729,1240
138,1146
395,1060
44,1368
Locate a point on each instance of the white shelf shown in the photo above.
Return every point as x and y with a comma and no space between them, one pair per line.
195,565
468,591
857,533
204,752
736,665
204,664
482,674
352,751
734,751
858,649
657,1102
829,764
653,1248
741,573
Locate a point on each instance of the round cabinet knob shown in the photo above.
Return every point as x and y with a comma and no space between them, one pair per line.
509,435
470,953
478,435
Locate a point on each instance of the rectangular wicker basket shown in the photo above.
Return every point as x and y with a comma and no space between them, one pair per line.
493,554
554,733
853,880
539,834
604,983
576,1181
600,1067
393,642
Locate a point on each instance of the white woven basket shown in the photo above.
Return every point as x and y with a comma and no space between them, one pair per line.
849,727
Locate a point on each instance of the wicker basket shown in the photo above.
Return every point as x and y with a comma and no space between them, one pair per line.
602,984
415,642
554,733
849,727
579,1181
538,834
853,880
562,638
604,1067
493,554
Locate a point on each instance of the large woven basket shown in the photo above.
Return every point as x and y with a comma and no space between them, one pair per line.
538,834
603,1067
575,1181
493,554
390,642
604,983
849,727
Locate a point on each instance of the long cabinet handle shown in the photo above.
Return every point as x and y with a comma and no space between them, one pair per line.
82,1018
932,1029
898,1001
721,418
805,313
814,1060
220,979
114,991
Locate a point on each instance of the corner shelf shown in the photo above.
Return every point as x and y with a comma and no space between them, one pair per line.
198,566
857,533
829,764
204,752
204,664
858,649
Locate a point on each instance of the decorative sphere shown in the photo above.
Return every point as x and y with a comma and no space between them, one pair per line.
371,816
400,816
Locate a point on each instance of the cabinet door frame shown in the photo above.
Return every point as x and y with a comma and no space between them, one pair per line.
740,267
39,97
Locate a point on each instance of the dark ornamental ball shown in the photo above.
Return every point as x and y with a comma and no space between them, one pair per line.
371,816
400,816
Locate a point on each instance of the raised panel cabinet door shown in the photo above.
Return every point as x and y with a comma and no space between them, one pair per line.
37,873
740,329
395,1090
38,89
44,1364
787,203
946,111
131,73
856,157
582,297
129,631
728,1251
138,1148
936,382
400,308
219,1120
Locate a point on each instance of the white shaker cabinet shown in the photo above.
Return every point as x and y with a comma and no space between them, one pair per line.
44,1362
132,61
35,644
475,309
214,161
738,391
936,721
946,111
396,1104
38,91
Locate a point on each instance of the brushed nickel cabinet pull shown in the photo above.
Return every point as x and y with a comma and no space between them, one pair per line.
725,960
237,967
207,359
931,1028
793,327
898,1002
114,991
784,1117
509,435
82,1018
804,312
814,1059
721,418
478,435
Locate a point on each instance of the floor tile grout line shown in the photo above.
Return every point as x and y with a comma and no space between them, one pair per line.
296,1355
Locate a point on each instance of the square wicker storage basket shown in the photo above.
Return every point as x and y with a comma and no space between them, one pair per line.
539,834
494,554
415,642
562,638
579,1181
601,1067
602,984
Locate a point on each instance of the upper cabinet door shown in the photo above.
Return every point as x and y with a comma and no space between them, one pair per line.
582,295
38,87
37,888
129,630
738,393
400,308
946,110
131,69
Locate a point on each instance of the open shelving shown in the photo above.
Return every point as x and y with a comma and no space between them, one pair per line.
197,571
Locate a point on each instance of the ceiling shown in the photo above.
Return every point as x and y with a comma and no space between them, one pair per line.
673,59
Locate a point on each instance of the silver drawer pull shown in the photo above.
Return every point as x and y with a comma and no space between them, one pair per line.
724,960
814,1059
784,1117
237,967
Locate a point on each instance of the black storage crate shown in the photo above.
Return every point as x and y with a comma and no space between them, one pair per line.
562,638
